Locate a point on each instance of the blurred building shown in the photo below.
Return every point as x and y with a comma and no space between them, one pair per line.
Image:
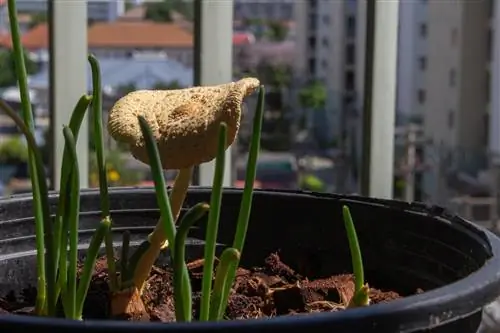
325,37
121,39
456,99
98,10
281,10
412,57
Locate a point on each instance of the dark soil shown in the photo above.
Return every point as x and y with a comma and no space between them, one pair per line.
273,289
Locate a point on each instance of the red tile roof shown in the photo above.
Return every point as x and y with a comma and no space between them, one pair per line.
5,40
36,38
123,34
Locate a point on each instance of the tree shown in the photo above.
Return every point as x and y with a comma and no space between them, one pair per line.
277,31
8,75
38,18
167,86
125,89
163,11
14,151
159,11
274,75
313,96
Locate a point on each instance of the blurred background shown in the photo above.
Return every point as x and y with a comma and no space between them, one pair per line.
311,56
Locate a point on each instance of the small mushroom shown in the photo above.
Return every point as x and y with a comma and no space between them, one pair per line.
185,125
185,122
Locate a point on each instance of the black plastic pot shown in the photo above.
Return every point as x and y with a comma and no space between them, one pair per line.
405,247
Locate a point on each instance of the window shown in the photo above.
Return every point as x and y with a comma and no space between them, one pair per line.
350,54
452,78
312,42
487,85
351,26
349,80
324,64
421,96
312,65
324,42
313,22
422,63
423,30
451,119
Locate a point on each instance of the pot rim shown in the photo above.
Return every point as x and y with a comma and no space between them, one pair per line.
455,297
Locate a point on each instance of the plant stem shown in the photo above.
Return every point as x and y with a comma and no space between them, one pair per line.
229,257
182,286
61,219
88,266
42,265
247,197
103,182
167,220
124,256
357,261
361,295
47,297
74,211
213,225
158,238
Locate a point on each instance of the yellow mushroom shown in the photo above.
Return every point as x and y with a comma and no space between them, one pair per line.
185,124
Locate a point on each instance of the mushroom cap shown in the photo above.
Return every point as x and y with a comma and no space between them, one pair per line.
184,122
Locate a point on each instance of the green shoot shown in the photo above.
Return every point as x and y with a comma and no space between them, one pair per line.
246,201
161,194
61,220
89,263
159,180
40,218
182,293
361,291
229,257
46,302
103,182
213,224
128,275
74,210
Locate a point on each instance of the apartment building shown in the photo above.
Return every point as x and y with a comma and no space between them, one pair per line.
325,39
412,57
98,10
281,10
456,97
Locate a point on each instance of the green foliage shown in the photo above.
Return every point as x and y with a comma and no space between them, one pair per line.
8,75
13,150
126,88
274,75
277,31
159,11
167,86
38,18
163,11
119,174
313,96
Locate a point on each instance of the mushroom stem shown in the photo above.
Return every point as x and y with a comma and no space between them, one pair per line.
157,239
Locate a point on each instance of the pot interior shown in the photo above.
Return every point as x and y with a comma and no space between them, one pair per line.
402,250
